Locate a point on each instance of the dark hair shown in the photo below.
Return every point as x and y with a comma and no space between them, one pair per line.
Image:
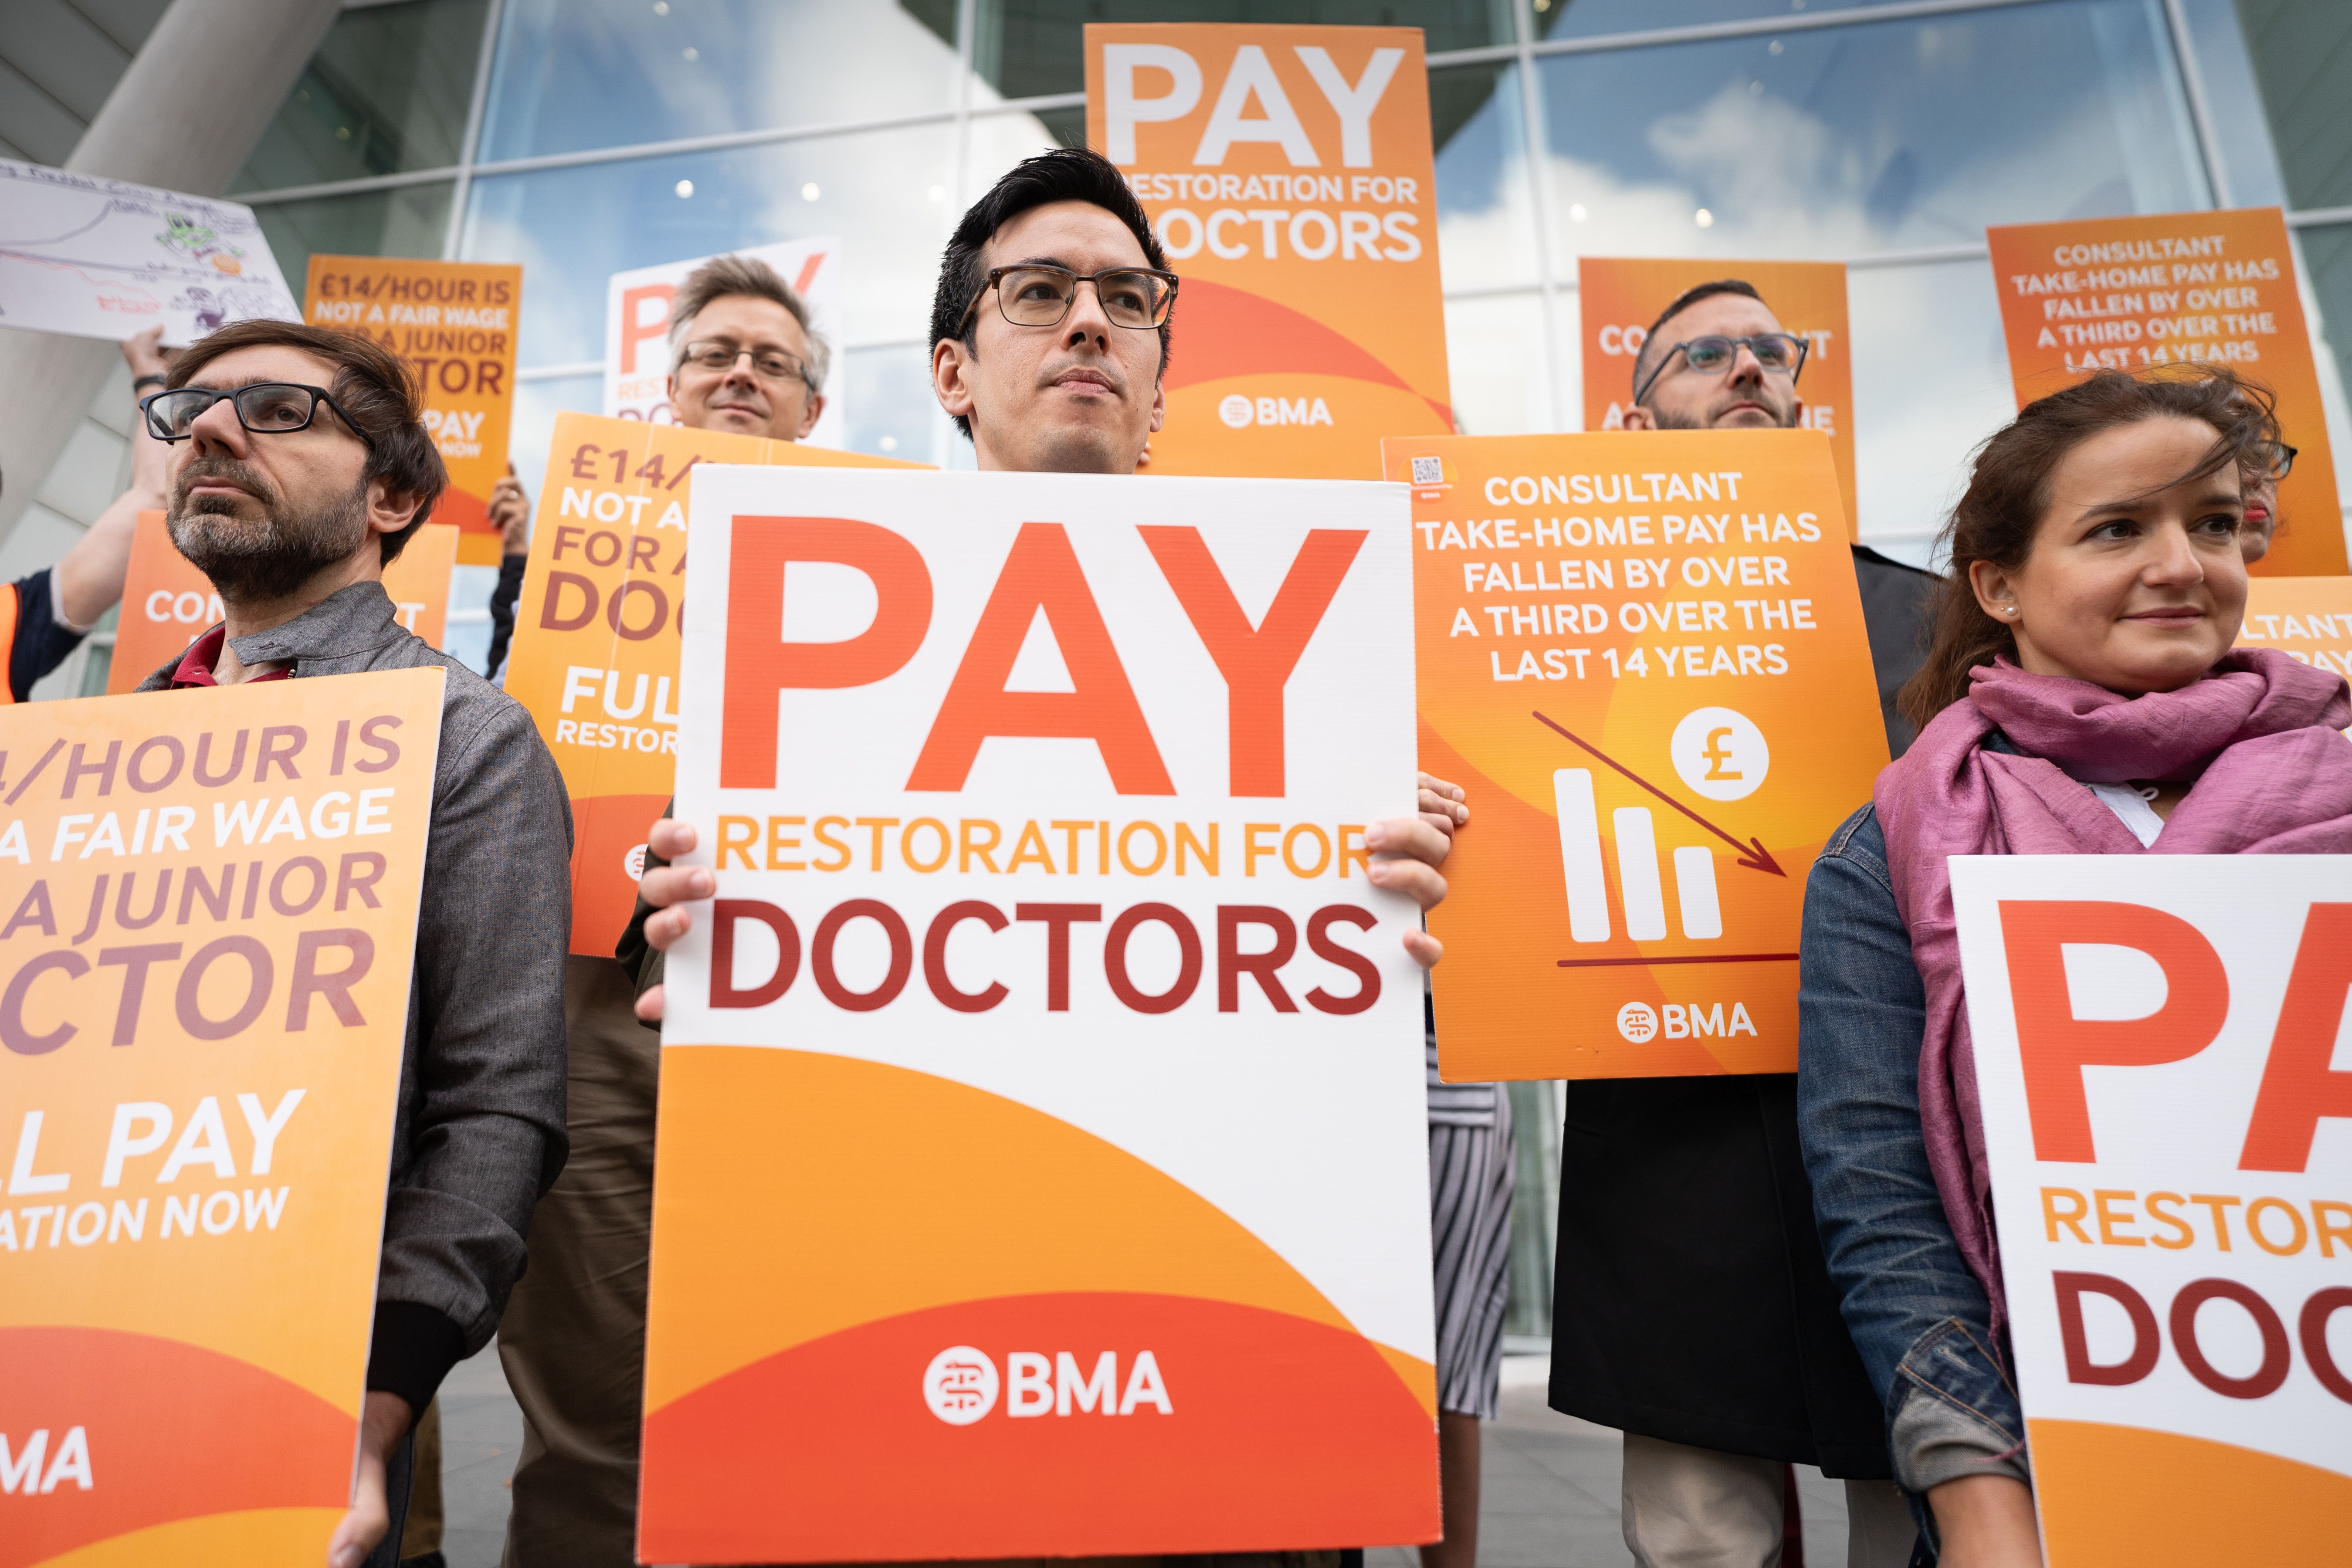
373,387
1059,174
1683,301
2009,488
723,276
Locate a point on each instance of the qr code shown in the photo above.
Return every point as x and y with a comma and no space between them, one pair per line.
1428,471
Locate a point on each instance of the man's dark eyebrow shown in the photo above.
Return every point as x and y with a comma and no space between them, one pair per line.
238,387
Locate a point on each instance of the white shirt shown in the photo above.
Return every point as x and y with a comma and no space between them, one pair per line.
2131,807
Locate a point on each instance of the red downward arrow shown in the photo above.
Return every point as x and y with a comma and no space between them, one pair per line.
1752,854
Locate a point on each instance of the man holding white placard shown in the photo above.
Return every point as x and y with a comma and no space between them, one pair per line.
1050,334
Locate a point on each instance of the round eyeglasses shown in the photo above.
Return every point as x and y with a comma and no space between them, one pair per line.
1039,295
265,408
1781,353
2277,460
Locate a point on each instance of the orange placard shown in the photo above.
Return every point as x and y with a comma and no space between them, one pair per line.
1287,172
1643,654
1621,295
2308,617
2134,293
210,905
454,324
167,604
595,655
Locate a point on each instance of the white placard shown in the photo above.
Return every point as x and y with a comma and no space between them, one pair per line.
2167,1086
105,258
1044,797
636,329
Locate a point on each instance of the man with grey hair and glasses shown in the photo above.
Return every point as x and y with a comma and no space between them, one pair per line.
744,360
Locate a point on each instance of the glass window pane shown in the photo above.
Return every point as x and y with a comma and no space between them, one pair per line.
2298,50
1486,219
412,220
1595,18
573,74
883,192
1494,364
892,413
1930,381
2327,295
387,92
2241,131
1878,136
1026,49
537,402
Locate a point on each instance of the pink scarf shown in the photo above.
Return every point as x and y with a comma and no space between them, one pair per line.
2273,777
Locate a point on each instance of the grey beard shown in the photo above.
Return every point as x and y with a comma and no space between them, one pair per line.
252,562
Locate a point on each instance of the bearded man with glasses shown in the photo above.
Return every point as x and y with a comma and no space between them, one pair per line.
300,467
1693,1309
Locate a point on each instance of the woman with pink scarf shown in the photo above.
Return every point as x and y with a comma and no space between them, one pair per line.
2080,697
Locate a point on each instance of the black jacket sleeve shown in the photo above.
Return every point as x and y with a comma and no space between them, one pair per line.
42,641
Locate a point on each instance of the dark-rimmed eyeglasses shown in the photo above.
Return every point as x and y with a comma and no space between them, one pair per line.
265,408
1781,353
2275,459
1040,295
718,355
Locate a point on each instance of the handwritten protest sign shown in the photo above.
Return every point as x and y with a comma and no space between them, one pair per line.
105,258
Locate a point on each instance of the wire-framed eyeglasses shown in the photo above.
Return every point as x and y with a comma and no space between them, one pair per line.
720,355
265,408
1781,353
1037,294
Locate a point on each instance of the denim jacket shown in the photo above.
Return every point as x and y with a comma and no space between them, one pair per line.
1919,1319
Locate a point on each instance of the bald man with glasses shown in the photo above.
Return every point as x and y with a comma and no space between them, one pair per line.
1693,1310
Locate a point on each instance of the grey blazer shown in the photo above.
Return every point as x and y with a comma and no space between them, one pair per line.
480,1129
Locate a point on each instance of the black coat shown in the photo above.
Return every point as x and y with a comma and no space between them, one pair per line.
1692,1302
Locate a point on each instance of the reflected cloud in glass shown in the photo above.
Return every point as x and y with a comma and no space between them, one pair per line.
1890,136
572,229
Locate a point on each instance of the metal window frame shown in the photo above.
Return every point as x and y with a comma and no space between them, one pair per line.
1525,52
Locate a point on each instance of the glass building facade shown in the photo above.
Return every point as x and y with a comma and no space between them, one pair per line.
582,137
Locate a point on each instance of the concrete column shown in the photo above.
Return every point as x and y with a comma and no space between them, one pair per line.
185,116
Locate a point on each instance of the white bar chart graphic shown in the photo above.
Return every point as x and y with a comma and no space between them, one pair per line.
1638,877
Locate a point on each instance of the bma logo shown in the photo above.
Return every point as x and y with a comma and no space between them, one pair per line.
1639,1022
960,1385
1240,413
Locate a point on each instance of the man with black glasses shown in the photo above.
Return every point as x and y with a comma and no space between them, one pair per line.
1050,329
300,467
1693,1309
